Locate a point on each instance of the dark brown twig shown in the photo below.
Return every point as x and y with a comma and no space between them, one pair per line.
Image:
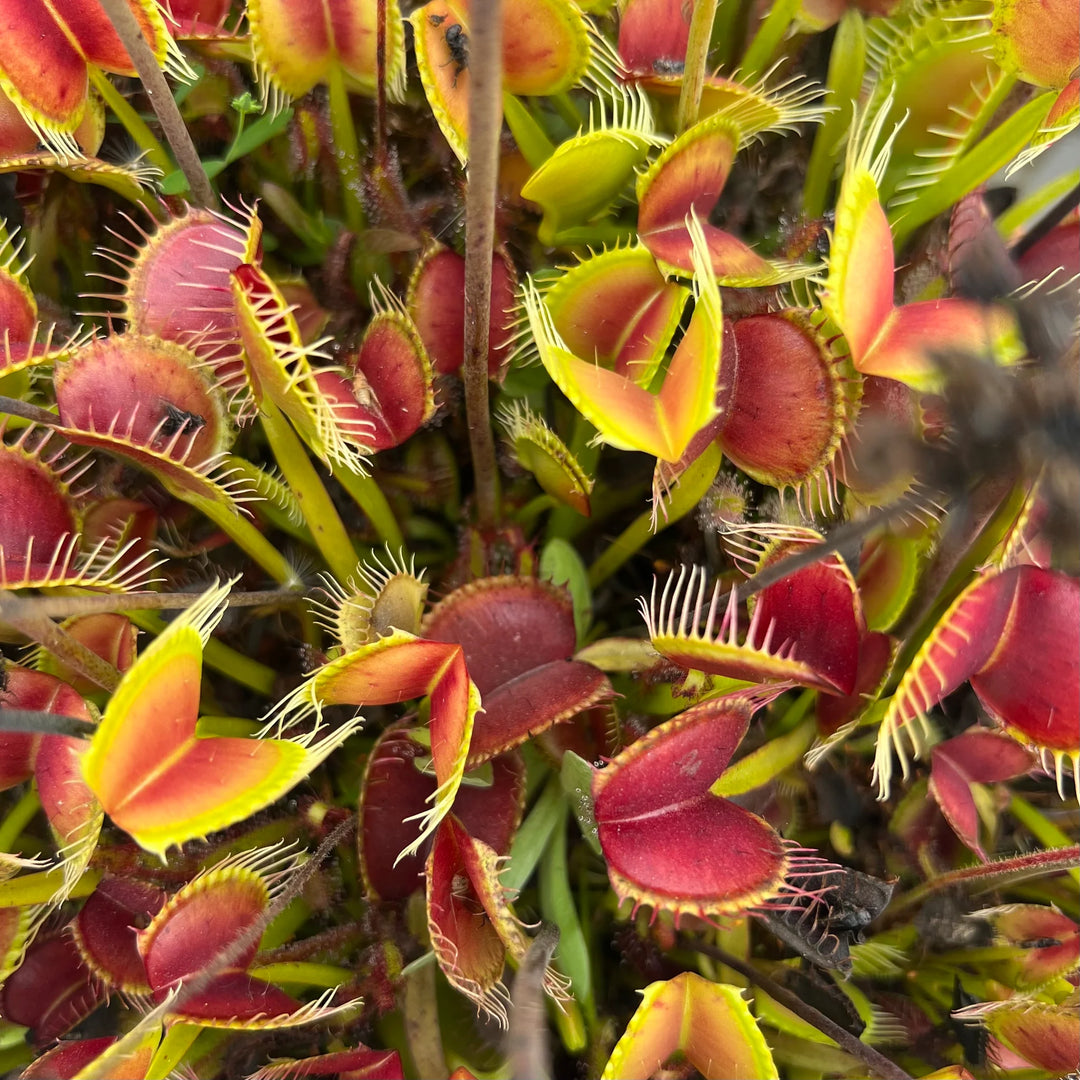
380,82
485,125
157,90
62,607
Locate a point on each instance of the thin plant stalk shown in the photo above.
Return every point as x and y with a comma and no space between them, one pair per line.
766,41
170,1054
368,496
726,31
304,973
41,887
61,644
994,874
346,150
847,61
249,539
1041,827
63,607
697,53
530,137
17,818
157,90
318,509
133,123
877,1064
380,81
232,663
693,484
485,124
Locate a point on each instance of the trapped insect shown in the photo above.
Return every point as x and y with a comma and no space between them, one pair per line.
179,420
457,42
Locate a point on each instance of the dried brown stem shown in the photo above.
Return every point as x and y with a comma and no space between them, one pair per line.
62,607
527,1039
45,632
157,90
485,126
380,82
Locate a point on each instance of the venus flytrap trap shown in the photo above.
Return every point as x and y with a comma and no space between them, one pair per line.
134,770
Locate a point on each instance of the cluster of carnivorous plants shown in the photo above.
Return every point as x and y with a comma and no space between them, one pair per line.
539,538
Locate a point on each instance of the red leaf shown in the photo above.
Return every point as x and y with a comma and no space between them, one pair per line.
668,841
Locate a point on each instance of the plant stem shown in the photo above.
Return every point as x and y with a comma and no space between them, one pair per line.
763,47
61,644
369,497
533,835
847,61
316,505
157,90
423,1033
305,973
530,137
40,888
135,125
697,54
992,874
692,486
980,162
62,607
249,539
1044,830
169,1055
380,82
726,31
232,663
346,150
877,1064
18,817
485,125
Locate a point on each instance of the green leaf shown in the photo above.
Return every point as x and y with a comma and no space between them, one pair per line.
533,835
576,778
558,905
561,564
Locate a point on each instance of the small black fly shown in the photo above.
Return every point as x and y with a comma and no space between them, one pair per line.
457,42
180,421
665,65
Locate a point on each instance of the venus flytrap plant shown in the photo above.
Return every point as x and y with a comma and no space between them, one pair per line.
989,629
587,173
884,339
297,46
